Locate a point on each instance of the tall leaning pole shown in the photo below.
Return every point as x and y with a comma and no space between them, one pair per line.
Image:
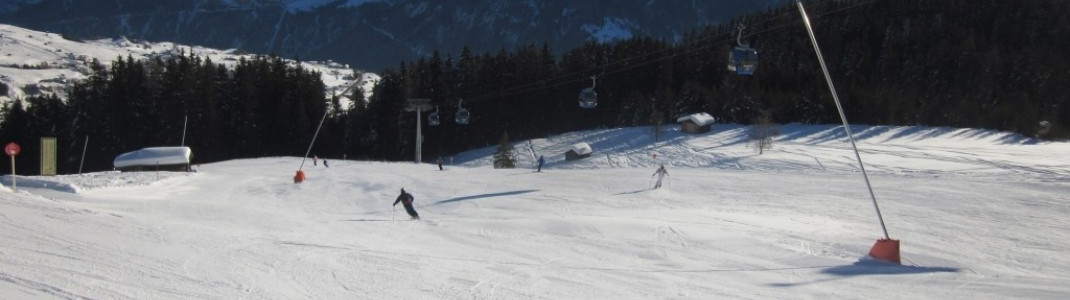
886,248
300,176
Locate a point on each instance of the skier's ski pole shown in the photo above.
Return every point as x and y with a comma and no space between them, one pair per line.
395,209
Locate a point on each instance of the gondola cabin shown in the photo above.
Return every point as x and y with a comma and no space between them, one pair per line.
433,119
462,116
743,60
588,98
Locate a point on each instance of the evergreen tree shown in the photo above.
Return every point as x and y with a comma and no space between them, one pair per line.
48,117
505,156
16,128
92,115
357,136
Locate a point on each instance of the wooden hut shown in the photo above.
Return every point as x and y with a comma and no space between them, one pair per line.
696,123
578,151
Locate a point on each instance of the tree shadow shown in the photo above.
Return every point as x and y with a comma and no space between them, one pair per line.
868,266
484,196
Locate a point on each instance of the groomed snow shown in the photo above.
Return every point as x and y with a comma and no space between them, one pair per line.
980,215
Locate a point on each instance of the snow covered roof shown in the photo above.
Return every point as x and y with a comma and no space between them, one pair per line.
581,148
154,156
700,119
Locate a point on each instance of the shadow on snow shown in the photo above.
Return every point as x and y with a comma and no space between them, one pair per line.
484,196
876,267
869,266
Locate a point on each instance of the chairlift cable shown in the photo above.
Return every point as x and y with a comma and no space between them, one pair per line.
719,38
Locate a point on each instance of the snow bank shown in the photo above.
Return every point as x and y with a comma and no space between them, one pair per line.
154,156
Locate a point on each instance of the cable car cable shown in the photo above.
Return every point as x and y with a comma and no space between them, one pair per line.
717,38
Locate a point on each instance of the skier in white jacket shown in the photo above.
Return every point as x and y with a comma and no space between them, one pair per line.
661,173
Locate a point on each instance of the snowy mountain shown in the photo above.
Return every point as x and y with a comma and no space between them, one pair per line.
34,62
374,34
979,214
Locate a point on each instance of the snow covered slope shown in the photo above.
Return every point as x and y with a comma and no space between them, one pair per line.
908,151
33,62
981,215
376,34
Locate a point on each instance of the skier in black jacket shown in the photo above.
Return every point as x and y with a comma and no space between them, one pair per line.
406,200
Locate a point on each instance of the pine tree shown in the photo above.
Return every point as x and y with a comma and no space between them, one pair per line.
505,157
15,127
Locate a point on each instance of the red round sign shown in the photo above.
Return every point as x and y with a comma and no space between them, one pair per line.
12,149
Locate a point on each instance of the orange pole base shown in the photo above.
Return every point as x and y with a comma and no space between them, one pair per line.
300,177
886,250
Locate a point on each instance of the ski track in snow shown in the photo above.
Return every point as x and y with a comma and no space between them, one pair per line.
978,218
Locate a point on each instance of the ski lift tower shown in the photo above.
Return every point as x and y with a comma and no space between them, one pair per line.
418,105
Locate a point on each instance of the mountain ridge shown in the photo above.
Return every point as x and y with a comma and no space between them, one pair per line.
38,63
375,34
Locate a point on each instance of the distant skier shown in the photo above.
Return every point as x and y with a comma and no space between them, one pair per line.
314,158
406,200
542,161
661,173
325,163
439,163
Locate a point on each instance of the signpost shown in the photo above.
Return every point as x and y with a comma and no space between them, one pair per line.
48,156
12,149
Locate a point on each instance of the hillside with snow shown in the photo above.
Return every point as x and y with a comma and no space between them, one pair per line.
980,215
375,34
34,62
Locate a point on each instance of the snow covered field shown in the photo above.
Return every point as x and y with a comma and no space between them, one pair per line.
55,62
980,215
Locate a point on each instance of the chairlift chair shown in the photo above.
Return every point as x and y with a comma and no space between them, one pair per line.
588,97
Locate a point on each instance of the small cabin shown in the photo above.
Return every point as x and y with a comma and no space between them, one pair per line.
578,151
696,123
155,158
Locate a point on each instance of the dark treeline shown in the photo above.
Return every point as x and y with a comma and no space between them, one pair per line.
979,64
263,107
976,64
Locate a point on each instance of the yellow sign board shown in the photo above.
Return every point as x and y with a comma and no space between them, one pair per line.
48,156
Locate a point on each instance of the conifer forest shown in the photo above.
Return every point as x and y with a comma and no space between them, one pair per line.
958,63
